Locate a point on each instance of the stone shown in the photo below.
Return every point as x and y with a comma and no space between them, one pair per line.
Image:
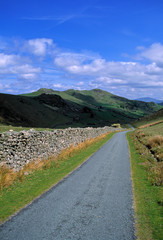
22,147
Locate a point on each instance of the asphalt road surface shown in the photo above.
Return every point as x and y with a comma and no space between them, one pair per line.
93,203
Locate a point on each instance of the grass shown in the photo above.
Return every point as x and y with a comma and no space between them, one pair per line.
154,129
151,124
147,176
151,119
151,138
34,180
154,141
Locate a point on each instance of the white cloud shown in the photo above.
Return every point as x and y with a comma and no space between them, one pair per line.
109,80
154,53
78,70
60,19
110,73
80,83
39,46
59,86
28,76
81,64
25,68
13,65
153,69
69,59
6,60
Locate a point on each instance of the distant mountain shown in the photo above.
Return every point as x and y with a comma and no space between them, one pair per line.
148,99
70,108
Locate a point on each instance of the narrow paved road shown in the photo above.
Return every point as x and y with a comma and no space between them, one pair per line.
93,203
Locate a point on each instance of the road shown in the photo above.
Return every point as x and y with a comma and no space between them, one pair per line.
93,203
131,127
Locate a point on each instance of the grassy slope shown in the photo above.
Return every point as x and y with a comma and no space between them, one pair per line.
154,117
18,195
97,97
154,129
147,178
19,110
107,108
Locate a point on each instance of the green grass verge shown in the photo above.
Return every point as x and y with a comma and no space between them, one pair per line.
147,198
15,197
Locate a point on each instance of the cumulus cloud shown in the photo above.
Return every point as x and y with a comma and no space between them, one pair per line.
25,68
39,46
60,86
13,64
6,60
154,53
66,59
109,74
80,83
79,63
28,76
39,59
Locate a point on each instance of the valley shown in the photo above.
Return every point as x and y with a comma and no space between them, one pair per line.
47,108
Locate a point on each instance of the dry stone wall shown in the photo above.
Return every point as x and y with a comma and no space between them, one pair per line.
19,148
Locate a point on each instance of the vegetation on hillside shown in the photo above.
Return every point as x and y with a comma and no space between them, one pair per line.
28,112
81,108
149,119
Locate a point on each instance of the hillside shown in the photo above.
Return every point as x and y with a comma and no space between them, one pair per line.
103,101
152,118
25,111
49,108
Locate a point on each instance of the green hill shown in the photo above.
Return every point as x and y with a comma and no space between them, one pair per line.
25,111
49,108
152,118
98,99
39,92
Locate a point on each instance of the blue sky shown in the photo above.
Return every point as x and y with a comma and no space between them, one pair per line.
113,45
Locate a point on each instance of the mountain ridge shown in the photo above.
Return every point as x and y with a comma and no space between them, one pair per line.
70,108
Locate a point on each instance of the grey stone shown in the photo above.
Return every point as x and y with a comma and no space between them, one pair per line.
19,148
